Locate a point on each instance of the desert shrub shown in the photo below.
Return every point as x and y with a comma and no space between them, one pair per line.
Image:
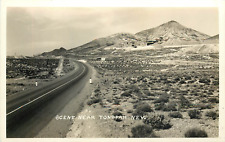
204,80
138,113
116,102
195,132
142,131
214,100
144,80
184,103
136,90
97,90
119,108
176,79
147,93
143,107
126,94
209,93
182,82
117,113
194,114
170,107
162,98
133,88
136,104
204,95
166,107
166,89
204,101
187,77
190,81
109,100
158,122
175,115
159,106
94,101
204,106
109,43
215,82
212,114
116,82
129,111
195,93
144,86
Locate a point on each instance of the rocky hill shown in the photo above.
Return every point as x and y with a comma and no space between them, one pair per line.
170,33
173,33
120,40
55,52
213,39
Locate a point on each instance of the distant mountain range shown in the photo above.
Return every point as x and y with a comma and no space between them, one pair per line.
170,33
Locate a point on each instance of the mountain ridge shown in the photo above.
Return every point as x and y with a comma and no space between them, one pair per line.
121,40
173,33
169,33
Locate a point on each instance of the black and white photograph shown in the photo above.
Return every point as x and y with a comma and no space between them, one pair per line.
112,72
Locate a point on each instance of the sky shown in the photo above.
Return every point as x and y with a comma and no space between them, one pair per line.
34,30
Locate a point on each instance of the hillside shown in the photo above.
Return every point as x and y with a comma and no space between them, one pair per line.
55,52
213,39
120,40
173,33
168,34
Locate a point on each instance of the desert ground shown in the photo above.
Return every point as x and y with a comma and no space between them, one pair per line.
170,91
161,91
22,73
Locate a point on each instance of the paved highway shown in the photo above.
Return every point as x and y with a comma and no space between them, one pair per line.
31,111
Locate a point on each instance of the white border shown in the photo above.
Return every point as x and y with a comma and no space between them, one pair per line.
111,3
114,3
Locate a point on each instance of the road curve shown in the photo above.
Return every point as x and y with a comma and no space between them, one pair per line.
25,105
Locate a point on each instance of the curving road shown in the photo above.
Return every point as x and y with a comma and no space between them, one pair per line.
32,110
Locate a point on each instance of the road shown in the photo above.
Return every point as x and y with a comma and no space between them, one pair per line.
31,112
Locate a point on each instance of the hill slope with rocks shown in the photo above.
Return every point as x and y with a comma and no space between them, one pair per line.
173,33
213,39
55,52
167,34
120,40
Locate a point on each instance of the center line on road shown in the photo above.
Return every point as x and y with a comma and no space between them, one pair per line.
45,93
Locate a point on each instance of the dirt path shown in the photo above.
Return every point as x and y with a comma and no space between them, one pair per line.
59,69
